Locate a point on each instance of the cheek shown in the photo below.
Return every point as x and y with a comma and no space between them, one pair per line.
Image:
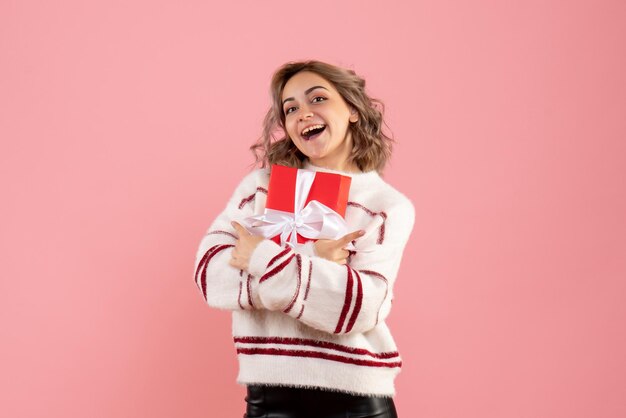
291,130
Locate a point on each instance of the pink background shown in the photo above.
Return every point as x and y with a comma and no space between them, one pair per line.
125,126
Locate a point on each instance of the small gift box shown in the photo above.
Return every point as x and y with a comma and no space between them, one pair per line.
303,205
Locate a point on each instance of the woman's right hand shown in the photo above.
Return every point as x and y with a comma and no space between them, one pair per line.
332,249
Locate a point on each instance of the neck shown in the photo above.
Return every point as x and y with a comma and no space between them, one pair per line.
356,174
341,166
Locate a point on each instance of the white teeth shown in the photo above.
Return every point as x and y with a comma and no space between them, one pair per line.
311,127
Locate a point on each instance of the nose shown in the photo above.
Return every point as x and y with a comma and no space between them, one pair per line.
305,113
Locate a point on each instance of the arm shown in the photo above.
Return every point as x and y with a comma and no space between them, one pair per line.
222,285
334,298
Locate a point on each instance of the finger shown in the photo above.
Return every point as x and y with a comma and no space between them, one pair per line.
346,239
342,255
240,229
235,261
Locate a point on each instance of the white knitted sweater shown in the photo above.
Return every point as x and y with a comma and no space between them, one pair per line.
304,321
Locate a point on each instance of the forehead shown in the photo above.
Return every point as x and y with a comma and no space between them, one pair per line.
303,80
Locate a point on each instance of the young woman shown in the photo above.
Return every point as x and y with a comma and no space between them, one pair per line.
309,323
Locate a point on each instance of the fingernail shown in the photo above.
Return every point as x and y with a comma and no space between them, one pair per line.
361,232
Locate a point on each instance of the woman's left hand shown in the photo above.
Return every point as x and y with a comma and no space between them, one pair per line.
246,243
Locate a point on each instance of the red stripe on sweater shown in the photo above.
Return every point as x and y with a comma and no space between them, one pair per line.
347,301
251,197
308,283
357,304
381,230
276,269
384,279
295,295
315,354
249,292
306,292
216,249
277,257
376,274
223,233
239,297
315,343
301,311
201,267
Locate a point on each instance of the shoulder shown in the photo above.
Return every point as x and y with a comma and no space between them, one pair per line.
392,210
252,183
390,199
400,214
258,177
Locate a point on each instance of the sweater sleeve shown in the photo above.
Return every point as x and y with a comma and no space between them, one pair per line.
222,285
335,298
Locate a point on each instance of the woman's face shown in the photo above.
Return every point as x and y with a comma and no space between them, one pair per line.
308,100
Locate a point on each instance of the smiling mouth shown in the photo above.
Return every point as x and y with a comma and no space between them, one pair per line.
314,133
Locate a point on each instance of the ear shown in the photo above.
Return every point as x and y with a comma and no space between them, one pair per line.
354,115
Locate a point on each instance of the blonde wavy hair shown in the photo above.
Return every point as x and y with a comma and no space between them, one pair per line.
371,147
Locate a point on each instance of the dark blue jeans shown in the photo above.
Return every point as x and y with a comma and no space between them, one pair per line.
288,402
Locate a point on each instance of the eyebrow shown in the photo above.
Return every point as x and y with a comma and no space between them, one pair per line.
307,91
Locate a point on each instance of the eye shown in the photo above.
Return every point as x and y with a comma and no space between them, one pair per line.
288,110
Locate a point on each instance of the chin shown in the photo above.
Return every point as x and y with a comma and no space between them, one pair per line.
314,156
